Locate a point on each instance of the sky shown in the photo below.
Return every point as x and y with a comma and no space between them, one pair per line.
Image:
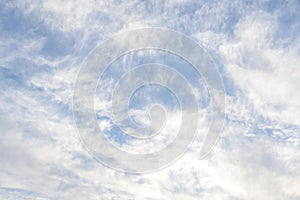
254,45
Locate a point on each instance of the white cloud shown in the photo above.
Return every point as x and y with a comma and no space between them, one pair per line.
258,156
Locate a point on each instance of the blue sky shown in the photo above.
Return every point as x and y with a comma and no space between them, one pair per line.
255,46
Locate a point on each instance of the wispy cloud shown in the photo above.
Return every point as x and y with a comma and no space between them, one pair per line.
255,46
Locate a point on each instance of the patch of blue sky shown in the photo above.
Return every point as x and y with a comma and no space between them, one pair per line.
124,64
156,95
113,132
222,20
22,69
149,94
15,24
116,135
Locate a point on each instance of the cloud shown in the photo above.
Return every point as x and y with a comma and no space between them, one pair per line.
255,46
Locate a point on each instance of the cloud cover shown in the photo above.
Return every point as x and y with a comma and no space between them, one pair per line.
255,46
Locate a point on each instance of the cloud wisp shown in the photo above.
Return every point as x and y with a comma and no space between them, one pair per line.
255,46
